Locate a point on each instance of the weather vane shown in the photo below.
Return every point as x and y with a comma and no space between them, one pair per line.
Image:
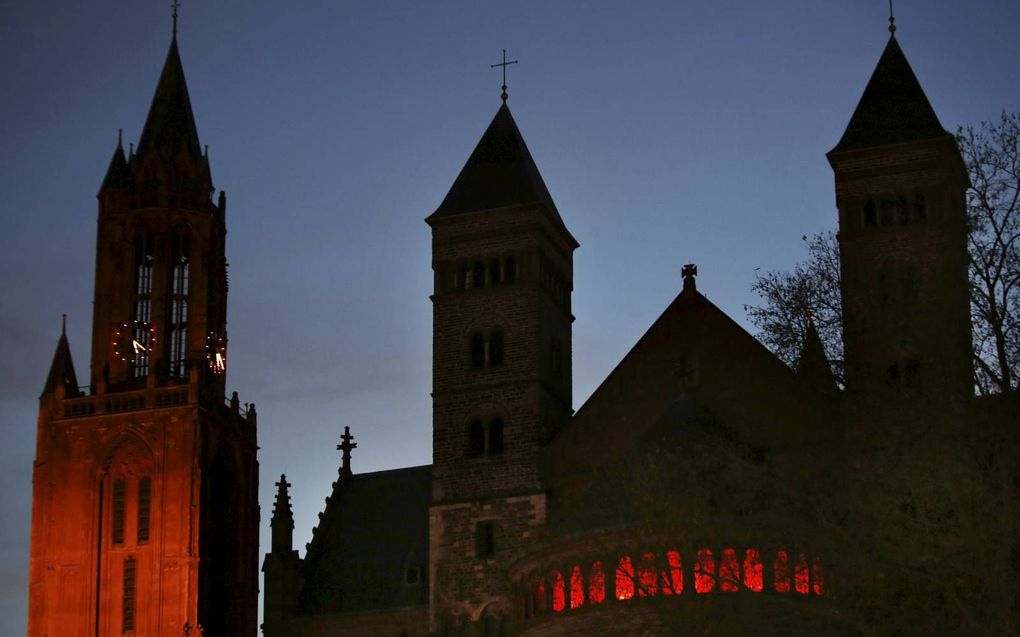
174,6
503,64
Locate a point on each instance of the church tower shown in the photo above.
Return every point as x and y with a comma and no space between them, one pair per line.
502,259
145,488
900,190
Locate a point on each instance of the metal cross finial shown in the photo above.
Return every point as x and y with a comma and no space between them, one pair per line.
892,20
174,6
503,64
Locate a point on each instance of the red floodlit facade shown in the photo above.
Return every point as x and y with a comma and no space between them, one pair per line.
145,486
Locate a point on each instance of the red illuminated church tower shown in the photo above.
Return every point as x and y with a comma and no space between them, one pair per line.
145,510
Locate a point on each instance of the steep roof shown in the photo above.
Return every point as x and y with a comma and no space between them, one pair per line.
118,173
374,527
499,173
893,108
170,124
61,369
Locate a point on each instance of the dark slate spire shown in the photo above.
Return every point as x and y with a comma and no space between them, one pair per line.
170,125
813,367
499,173
282,522
893,109
118,174
62,368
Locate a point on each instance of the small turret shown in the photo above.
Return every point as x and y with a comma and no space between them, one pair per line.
813,367
62,376
282,522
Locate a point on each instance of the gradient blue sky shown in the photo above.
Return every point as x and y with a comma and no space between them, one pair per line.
667,132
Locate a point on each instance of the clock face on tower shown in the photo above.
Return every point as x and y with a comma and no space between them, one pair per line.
216,352
133,341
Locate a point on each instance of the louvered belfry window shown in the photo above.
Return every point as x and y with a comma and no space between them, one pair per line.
144,508
119,509
128,599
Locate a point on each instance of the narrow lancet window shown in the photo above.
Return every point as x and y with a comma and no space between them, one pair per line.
673,576
781,572
576,588
729,572
597,583
559,593
141,331
128,599
753,570
119,508
144,509
624,578
178,315
704,572
800,575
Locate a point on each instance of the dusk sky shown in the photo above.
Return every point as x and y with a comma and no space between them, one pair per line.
667,133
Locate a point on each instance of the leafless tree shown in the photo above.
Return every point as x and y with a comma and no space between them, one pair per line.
992,156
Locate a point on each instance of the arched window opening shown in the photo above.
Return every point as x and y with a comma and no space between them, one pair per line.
673,576
496,347
141,330
178,310
476,438
128,596
559,601
704,572
485,539
479,274
461,277
800,575
510,269
870,214
144,509
818,577
753,570
781,572
597,583
494,443
920,208
648,582
119,510
624,579
576,588
477,350
495,272
540,603
729,572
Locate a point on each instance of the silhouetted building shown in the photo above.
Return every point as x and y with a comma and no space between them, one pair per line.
705,487
145,485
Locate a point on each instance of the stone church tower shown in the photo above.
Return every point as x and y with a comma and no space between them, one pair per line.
900,190
145,498
502,258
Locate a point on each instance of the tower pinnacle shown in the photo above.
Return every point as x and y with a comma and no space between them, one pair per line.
503,64
892,20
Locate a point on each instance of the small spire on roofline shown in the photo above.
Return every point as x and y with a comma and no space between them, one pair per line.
63,325
892,20
173,7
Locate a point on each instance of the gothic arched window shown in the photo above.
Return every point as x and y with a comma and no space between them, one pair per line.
477,350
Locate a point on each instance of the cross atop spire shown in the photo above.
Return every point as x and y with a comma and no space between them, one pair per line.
503,64
346,446
174,6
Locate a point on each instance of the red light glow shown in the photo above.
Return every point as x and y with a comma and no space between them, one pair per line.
647,576
559,593
576,588
540,596
673,579
753,570
624,579
800,575
704,572
597,584
818,578
729,572
781,572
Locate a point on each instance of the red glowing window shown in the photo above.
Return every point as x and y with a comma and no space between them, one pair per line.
540,603
800,575
673,577
818,578
597,584
559,593
704,572
576,588
624,578
753,570
729,571
648,584
781,572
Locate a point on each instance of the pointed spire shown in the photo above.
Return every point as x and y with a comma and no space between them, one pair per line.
118,173
813,367
893,108
282,522
170,125
62,368
499,173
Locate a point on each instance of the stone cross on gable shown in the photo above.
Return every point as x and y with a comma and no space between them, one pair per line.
346,446
689,272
